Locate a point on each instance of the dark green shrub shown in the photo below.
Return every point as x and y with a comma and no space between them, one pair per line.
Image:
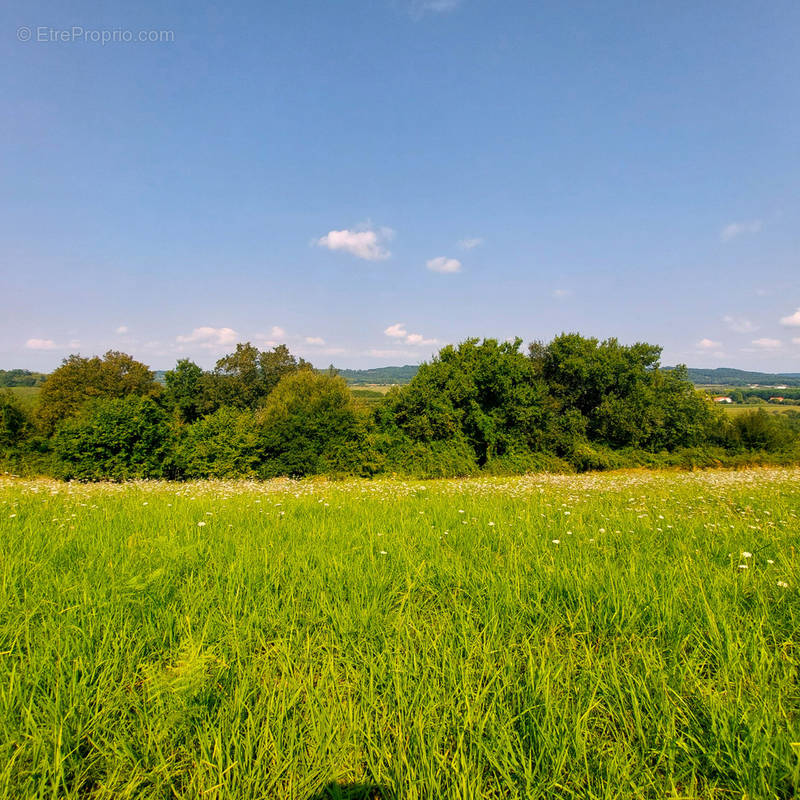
311,425
116,439
224,444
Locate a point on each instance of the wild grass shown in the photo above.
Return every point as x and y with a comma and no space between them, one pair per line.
630,635
27,396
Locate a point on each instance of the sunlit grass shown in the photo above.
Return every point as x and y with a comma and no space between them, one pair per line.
598,636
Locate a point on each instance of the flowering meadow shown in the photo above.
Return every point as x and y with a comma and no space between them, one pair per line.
624,635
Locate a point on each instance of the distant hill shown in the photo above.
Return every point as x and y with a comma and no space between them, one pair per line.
20,377
721,376
726,376
380,375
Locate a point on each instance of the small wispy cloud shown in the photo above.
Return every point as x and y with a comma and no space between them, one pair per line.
792,321
377,352
368,244
315,340
418,8
471,244
398,331
735,229
767,344
210,338
121,329
560,294
739,324
708,344
41,344
443,264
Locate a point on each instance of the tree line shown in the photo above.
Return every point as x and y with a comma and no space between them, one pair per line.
574,403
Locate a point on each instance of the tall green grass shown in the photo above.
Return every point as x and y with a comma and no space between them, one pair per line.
563,636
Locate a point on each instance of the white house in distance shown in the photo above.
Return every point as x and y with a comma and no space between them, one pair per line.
723,400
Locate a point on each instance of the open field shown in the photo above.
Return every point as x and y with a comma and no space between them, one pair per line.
599,636
770,408
27,395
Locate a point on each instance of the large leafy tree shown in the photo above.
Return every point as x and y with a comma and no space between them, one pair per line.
244,378
620,393
485,393
311,424
79,380
184,393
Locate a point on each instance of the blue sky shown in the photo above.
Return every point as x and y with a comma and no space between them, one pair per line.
367,180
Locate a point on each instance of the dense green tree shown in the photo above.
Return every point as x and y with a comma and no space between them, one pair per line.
244,378
759,430
220,445
485,392
80,379
622,395
14,423
118,438
311,424
184,392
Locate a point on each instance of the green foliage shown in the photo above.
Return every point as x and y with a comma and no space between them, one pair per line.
14,423
758,430
220,445
244,378
184,393
116,438
484,393
79,380
624,398
309,425
482,405
438,458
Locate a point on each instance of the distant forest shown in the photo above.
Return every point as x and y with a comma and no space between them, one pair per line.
482,406
387,376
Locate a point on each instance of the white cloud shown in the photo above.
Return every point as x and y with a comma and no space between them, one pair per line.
418,338
767,344
708,344
735,229
793,320
398,331
444,264
40,344
316,340
562,293
74,343
209,337
277,332
739,324
368,244
471,244
122,329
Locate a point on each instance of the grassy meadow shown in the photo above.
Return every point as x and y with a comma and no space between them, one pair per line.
28,396
628,635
